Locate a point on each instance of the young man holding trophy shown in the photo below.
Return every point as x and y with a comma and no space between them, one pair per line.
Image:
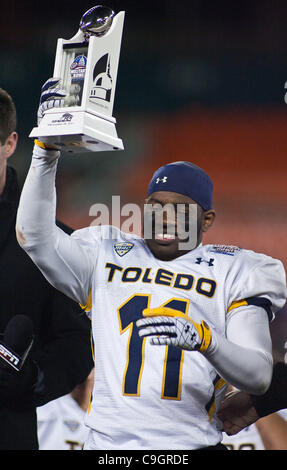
174,321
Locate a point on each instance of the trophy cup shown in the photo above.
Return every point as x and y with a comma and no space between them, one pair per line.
87,65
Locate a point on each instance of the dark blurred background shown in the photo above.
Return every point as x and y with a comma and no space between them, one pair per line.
198,80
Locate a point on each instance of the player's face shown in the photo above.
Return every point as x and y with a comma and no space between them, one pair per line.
180,226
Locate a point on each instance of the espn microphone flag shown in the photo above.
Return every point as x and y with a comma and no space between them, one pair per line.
17,341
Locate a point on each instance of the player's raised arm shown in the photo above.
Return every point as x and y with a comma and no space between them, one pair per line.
66,261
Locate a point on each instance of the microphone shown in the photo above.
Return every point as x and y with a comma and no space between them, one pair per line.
17,341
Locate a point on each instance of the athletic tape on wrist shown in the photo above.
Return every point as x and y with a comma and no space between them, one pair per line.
44,146
205,336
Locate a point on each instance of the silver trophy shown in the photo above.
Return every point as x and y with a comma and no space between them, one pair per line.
87,65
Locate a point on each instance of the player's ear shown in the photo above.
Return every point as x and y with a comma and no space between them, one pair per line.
10,144
208,218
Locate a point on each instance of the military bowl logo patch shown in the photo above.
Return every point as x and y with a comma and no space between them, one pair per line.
123,248
225,249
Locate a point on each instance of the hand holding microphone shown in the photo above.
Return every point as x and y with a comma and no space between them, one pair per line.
18,373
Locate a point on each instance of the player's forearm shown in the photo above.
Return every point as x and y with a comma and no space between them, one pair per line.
247,369
36,218
243,358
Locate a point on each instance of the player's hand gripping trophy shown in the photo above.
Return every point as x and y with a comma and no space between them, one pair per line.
76,105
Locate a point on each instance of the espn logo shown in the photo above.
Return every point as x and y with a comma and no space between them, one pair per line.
10,357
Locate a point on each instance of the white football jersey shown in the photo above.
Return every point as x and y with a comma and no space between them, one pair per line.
151,386
61,425
249,438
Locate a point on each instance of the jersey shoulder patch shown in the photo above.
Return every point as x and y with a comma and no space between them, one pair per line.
229,250
122,248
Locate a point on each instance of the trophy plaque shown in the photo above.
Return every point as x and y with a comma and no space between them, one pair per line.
87,65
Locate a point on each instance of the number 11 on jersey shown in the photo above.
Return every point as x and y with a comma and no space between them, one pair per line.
129,312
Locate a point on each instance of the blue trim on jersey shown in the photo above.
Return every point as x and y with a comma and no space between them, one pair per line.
261,302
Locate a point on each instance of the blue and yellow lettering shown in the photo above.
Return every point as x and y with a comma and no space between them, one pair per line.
136,272
184,281
146,277
200,287
204,286
164,277
113,268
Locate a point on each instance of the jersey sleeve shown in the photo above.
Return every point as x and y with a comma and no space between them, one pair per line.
79,254
258,280
67,261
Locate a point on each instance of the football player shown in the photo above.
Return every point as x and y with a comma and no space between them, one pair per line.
173,320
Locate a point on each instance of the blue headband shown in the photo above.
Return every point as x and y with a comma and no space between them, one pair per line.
184,178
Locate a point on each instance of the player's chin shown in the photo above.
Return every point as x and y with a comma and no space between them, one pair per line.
164,249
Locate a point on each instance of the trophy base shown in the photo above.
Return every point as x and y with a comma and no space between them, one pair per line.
77,131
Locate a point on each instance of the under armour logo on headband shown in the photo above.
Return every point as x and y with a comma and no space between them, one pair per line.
163,180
